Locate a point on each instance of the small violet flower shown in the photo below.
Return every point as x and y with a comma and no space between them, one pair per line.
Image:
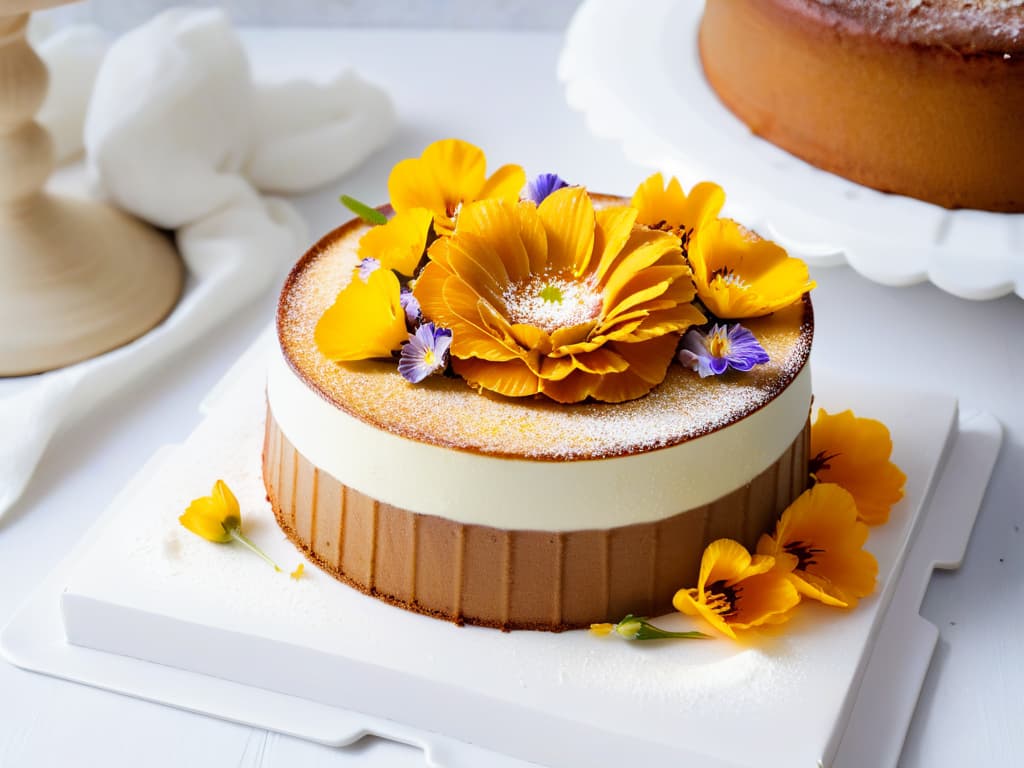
721,348
425,353
543,185
411,306
367,267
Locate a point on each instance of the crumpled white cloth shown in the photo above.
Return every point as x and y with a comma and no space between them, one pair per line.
177,132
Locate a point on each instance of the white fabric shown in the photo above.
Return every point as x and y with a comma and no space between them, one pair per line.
177,133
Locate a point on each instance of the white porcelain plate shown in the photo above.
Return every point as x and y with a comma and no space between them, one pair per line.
634,71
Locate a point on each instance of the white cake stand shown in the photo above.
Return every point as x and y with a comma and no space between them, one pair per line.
638,79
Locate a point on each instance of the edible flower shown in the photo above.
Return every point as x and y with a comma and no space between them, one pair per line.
558,299
543,185
366,267
670,209
365,321
819,542
425,353
739,275
399,244
854,453
721,348
217,518
639,628
410,306
737,591
447,176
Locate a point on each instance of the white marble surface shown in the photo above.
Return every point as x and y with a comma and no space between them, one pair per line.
499,90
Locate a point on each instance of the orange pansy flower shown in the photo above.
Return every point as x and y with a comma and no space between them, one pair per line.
736,590
854,453
739,275
819,541
668,208
448,175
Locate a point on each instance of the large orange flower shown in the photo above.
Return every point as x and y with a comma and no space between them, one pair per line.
557,299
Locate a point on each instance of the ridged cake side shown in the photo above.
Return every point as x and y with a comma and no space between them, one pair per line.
508,579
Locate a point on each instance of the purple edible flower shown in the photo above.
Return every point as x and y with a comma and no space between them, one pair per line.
367,267
425,353
721,348
411,305
543,185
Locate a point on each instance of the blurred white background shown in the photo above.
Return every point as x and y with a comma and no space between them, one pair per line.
494,14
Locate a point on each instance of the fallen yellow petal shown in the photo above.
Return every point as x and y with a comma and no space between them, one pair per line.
299,570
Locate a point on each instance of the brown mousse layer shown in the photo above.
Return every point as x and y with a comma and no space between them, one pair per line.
508,579
892,96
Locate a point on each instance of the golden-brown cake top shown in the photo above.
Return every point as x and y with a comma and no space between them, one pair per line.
993,27
446,412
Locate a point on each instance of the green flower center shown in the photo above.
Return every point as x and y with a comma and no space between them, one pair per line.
550,293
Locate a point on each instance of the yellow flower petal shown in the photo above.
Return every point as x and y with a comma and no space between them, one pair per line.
205,525
854,453
573,334
504,184
479,263
650,249
601,361
614,228
226,498
502,235
821,531
400,243
568,218
512,378
601,630
300,569
365,321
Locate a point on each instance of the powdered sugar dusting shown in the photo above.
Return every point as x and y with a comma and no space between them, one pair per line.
969,26
448,412
551,302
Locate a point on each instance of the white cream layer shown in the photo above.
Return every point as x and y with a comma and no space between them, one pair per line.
517,494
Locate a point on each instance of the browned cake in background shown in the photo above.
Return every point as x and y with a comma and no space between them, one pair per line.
918,97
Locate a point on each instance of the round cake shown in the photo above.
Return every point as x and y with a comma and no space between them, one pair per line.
522,513
924,99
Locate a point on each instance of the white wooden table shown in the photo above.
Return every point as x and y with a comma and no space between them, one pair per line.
499,90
